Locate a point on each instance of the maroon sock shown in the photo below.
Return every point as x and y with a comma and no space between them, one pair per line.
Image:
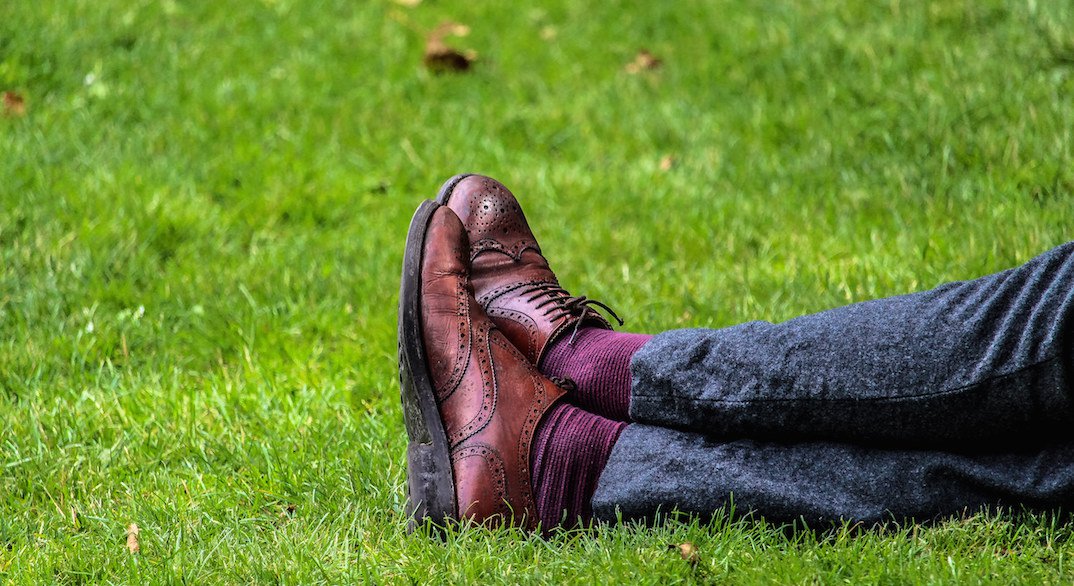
570,449
598,361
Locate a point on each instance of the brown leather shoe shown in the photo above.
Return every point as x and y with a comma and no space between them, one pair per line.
511,278
471,401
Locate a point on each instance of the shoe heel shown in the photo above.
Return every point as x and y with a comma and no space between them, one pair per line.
427,501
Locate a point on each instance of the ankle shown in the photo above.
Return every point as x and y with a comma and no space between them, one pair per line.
598,361
570,449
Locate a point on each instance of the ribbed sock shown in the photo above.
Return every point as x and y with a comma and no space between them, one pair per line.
598,361
570,449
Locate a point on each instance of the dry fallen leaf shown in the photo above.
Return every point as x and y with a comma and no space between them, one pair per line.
549,33
643,61
13,104
132,538
439,57
667,162
408,3
687,550
288,511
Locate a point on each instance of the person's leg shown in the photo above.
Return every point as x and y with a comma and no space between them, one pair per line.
597,362
570,449
654,469
966,364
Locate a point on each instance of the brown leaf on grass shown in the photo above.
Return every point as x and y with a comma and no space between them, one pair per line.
667,162
288,511
643,61
408,3
439,57
14,104
688,551
443,59
132,538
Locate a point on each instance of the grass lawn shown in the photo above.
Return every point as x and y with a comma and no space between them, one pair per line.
202,223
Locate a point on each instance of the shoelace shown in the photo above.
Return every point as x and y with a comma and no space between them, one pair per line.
559,304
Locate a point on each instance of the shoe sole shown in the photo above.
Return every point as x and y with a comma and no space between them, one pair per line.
444,194
430,480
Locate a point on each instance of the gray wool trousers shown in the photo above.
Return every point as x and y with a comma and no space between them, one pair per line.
910,407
